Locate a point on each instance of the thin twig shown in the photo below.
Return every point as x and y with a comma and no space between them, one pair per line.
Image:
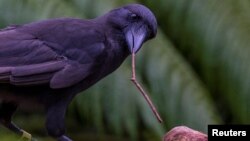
144,94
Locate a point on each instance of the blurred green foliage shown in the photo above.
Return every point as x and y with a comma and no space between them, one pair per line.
196,70
214,37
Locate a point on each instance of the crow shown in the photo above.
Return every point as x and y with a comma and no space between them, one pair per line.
49,62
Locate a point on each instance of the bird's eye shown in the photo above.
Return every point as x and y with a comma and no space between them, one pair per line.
134,16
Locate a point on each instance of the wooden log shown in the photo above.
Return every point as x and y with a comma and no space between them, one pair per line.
183,133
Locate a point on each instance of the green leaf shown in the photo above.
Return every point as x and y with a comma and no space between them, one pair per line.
180,95
214,37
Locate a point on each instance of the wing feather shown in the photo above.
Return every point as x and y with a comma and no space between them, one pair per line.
26,59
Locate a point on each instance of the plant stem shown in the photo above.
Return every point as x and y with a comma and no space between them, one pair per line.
144,94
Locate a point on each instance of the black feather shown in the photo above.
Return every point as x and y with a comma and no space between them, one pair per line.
48,62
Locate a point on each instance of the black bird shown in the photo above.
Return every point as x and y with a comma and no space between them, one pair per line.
49,62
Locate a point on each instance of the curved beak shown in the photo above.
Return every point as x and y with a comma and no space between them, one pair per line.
135,39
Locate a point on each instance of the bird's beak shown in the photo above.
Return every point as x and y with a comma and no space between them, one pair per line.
135,39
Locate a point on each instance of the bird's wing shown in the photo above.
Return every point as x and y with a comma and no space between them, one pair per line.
26,60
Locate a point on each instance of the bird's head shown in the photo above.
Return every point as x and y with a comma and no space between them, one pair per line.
137,23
